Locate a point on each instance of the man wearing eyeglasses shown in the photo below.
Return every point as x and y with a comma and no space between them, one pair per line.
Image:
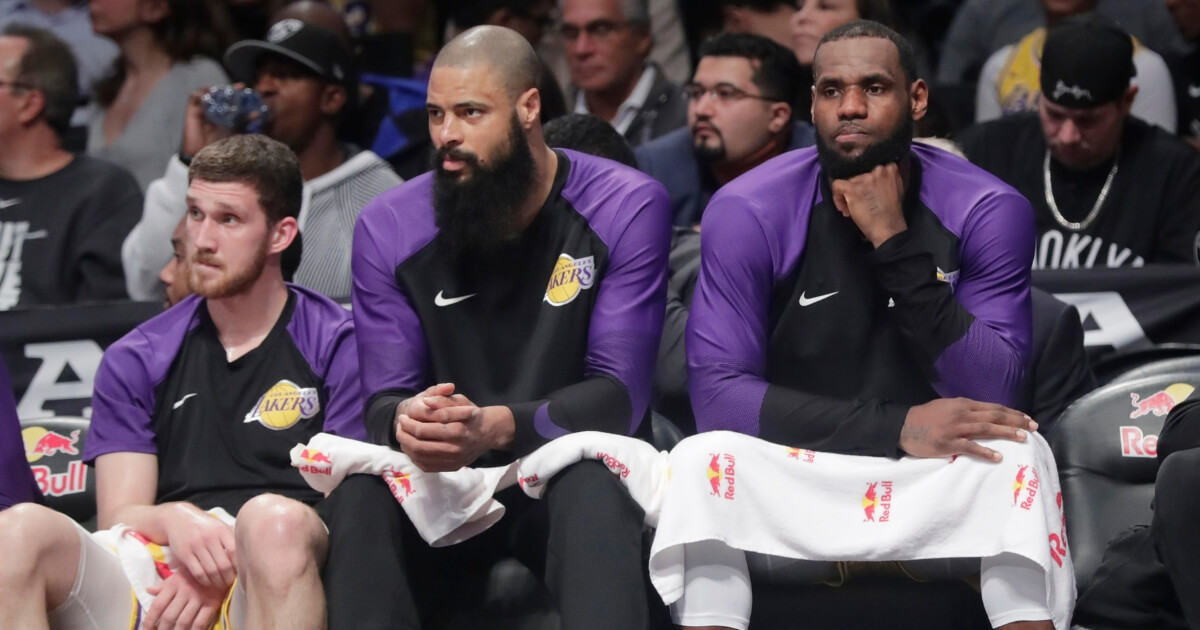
62,216
739,115
608,42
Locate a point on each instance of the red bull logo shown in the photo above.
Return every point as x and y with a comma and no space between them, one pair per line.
531,481
400,485
877,498
1160,403
1027,482
41,442
718,474
803,455
1135,443
615,465
316,462
73,481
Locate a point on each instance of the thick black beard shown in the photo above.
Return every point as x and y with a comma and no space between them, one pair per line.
709,155
478,212
886,151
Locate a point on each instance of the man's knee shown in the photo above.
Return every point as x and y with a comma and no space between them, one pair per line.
279,535
31,530
589,488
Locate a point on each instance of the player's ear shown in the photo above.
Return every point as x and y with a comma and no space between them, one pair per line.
282,234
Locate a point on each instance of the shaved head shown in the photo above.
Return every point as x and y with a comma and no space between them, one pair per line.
504,51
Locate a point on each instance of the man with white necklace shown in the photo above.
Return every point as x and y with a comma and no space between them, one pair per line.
1108,190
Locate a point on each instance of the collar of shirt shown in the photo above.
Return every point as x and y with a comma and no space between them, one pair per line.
632,105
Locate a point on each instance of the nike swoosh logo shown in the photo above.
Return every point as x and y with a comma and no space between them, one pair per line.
8,203
179,403
807,301
1194,91
30,236
444,301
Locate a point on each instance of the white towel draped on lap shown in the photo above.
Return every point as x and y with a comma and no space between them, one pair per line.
758,496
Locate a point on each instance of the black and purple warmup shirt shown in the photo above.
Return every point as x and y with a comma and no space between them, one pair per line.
803,334
222,430
16,478
561,323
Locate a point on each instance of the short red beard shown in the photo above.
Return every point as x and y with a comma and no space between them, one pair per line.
228,284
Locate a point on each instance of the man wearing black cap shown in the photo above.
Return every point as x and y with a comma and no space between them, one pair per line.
1108,190
306,77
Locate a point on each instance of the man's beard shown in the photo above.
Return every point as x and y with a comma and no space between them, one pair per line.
234,283
708,154
476,210
891,149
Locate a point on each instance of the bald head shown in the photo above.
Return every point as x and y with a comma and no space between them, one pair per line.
318,14
502,50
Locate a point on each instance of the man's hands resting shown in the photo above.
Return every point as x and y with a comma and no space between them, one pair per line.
950,426
442,431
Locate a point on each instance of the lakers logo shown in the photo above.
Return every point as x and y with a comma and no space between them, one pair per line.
569,278
284,405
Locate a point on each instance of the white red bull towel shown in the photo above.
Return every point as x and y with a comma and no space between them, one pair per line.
758,496
445,508
145,563
636,464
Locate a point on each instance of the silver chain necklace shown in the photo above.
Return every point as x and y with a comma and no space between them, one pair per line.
1091,216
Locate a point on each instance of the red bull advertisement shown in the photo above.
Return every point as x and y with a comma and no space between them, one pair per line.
73,481
532,481
41,442
617,467
722,477
877,501
803,455
316,462
400,485
1135,443
1026,485
1160,403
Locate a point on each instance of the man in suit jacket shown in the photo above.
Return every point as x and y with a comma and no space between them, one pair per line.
608,42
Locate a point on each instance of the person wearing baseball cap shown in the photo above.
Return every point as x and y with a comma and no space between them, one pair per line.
1108,189
304,72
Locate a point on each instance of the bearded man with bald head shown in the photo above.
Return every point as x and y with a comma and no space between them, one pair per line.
512,295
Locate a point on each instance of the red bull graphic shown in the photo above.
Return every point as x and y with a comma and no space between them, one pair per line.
317,462
1160,403
532,481
1058,540
1027,482
400,485
877,498
803,455
73,481
41,442
718,474
615,465
1135,443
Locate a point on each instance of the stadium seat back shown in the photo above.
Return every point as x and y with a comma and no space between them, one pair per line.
1190,364
54,448
1105,445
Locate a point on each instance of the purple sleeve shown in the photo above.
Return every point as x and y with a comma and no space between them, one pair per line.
122,401
623,334
976,333
727,327
391,345
344,411
16,479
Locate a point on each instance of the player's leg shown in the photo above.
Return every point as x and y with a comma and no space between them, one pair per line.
55,576
366,581
1176,510
281,546
594,567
